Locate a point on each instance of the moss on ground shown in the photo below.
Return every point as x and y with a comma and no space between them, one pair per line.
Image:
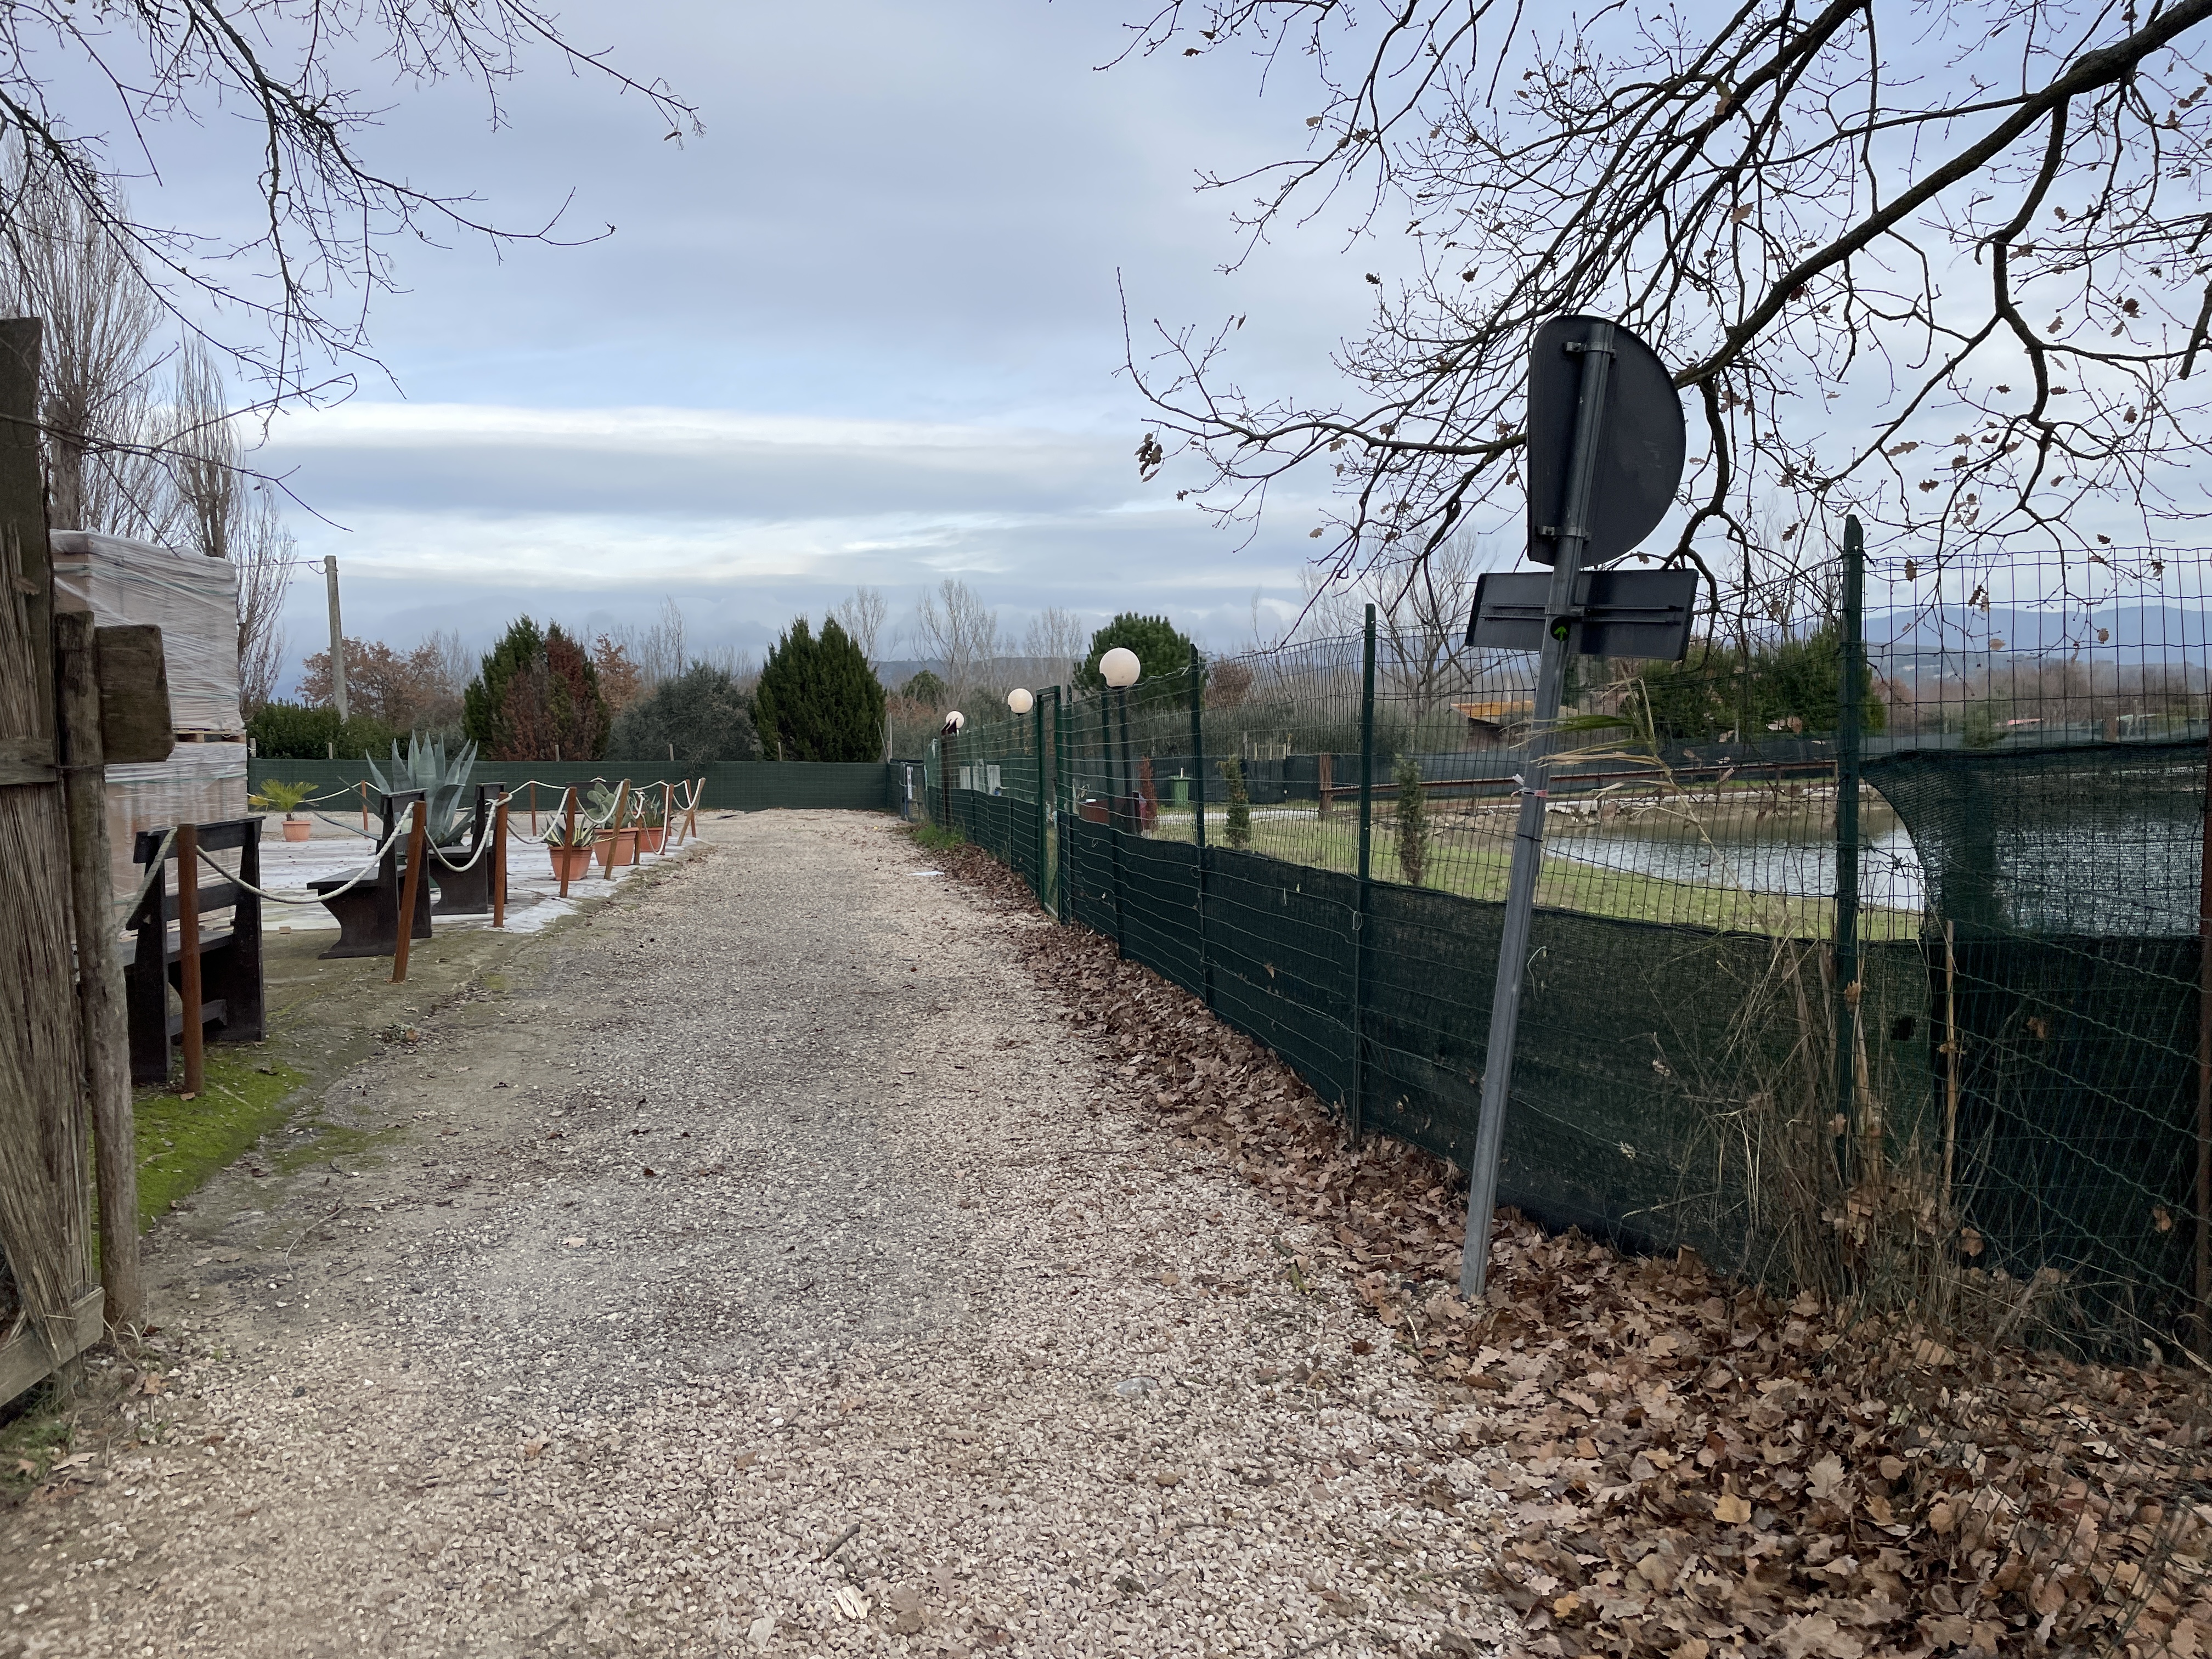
182,1142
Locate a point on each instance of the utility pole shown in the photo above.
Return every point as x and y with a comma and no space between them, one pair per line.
337,637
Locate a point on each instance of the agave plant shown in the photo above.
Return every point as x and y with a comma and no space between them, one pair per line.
442,783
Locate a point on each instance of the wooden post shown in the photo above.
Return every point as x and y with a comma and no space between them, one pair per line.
698,786
567,834
615,824
98,970
409,888
533,811
668,811
1325,771
364,806
499,865
188,955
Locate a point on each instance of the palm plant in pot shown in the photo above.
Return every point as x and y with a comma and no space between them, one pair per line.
570,846
276,796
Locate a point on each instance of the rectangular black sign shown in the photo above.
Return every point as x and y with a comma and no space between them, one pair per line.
1622,613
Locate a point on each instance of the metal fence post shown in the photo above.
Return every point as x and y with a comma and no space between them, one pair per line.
1198,815
1114,813
1852,691
1359,1123
1037,732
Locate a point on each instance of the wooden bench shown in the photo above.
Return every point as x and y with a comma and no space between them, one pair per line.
468,892
232,1006
368,914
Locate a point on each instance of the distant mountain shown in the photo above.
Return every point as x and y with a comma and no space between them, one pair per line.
2127,633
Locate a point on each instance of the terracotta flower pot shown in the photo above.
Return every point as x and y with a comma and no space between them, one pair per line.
648,840
297,829
570,863
616,847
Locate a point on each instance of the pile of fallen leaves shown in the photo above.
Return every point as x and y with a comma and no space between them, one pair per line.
1690,1466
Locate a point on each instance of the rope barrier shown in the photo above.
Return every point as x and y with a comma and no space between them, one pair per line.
363,874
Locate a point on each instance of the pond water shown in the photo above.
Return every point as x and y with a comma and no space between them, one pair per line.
1788,853
2124,869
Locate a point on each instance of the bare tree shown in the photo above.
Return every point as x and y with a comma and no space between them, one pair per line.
202,453
97,356
81,87
1053,645
264,552
657,649
862,617
959,632
1993,259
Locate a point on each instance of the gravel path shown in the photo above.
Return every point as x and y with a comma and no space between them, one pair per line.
756,1266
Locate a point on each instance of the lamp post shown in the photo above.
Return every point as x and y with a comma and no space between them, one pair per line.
953,722
1120,668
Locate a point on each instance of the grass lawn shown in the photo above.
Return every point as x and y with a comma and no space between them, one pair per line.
1476,864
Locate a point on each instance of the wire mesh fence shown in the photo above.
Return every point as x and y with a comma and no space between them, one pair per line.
1870,957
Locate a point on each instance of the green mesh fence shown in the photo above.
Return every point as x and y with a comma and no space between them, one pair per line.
1791,982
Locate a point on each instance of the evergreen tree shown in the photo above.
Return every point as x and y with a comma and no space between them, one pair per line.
817,699
1240,803
1161,649
536,697
1412,822
701,713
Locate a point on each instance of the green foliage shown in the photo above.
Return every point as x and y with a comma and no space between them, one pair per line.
603,799
817,699
277,796
1240,803
1984,726
425,767
1412,822
924,688
292,731
701,712
1162,650
652,810
558,834
536,697
1792,686
937,837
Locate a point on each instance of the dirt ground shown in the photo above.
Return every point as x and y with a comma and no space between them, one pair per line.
751,1264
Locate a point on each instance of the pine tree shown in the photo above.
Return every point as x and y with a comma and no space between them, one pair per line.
817,699
1240,803
1412,822
1162,650
536,697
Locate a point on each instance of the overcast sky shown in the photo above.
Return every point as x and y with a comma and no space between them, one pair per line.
864,330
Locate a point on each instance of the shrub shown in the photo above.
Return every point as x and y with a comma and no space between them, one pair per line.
1412,822
292,731
537,697
701,715
1240,803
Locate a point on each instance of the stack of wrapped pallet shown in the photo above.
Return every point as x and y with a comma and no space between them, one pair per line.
193,600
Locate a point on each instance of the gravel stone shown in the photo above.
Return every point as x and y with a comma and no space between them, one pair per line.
756,1266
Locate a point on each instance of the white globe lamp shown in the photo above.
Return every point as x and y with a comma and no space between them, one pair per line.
956,720
1120,668
1020,700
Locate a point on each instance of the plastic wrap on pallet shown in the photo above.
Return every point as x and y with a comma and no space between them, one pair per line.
199,783
193,600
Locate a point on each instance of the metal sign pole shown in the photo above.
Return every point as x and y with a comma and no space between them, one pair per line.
1573,538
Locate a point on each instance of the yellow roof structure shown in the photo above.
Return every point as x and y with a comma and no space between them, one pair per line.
1494,712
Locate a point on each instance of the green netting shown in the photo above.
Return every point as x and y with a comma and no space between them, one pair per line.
1315,840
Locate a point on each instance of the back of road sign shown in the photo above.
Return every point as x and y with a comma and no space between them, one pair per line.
1641,455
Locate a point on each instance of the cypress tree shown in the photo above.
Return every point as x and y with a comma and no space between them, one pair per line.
817,699
537,697
1412,822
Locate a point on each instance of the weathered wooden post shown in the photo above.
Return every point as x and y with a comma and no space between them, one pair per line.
98,967
409,891
194,1031
499,864
567,834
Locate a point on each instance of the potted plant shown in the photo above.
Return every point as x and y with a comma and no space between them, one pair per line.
652,823
618,839
285,797
570,846
425,766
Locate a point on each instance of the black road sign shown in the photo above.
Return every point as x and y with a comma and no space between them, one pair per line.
1640,454
1615,613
